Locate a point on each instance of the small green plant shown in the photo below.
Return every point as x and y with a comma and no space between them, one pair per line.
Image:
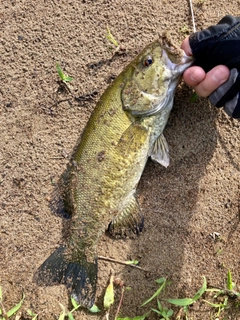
193,97
228,293
76,306
4,315
111,38
164,312
188,301
64,78
163,282
33,315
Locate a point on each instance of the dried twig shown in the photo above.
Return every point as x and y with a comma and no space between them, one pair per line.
121,262
191,9
120,302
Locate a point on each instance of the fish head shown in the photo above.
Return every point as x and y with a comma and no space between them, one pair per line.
151,79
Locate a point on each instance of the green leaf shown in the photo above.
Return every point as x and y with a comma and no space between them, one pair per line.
68,79
157,311
160,280
59,71
135,318
111,38
33,315
74,303
109,295
194,97
16,307
170,313
62,316
160,307
63,313
229,280
70,316
62,75
188,301
155,294
201,290
181,302
94,309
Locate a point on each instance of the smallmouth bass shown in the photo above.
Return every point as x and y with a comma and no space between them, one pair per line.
125,128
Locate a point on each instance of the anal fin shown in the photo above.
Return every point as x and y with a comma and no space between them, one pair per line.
160,151
129,218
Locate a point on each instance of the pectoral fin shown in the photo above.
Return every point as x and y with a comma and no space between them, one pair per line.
160,151
129,218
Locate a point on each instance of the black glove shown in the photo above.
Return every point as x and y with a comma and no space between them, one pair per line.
220,44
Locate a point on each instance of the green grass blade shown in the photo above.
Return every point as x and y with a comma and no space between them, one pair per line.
62,75
214,305
181,302
59,71
201,290
33,315
62,316
160,307
155,294
111,38
70,316
157,311
74,303
67,79
16,307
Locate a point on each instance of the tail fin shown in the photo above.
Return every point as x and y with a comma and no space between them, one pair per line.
80,279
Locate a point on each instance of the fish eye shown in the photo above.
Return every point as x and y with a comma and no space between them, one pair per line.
147,61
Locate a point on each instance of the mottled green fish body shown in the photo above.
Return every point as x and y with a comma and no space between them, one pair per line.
123,131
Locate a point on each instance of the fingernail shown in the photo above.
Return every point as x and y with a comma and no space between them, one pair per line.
193,78
219,76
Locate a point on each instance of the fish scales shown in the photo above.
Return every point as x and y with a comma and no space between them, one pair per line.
124,129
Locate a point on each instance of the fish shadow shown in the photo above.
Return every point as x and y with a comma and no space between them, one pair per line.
168,197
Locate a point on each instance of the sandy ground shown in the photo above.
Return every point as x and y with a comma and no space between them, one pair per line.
183,205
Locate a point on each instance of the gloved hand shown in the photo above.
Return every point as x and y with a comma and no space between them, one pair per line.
220,44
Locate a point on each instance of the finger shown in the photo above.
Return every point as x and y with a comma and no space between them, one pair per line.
193,76
186,46
213,79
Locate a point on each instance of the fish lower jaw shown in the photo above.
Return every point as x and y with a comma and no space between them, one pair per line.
180,67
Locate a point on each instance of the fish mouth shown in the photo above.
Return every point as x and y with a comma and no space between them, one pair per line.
175,58
182,64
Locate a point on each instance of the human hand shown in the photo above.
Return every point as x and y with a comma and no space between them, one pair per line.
204,83
216,50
